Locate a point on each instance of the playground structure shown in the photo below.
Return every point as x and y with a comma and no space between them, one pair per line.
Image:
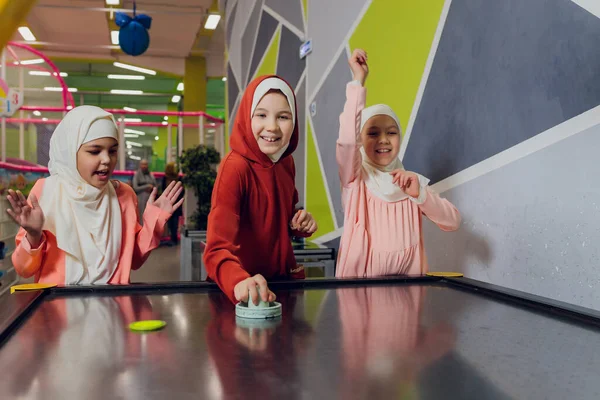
16,56
29,114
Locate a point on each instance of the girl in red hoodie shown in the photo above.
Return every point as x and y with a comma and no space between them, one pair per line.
253,202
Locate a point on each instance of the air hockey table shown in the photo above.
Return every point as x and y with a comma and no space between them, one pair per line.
402,337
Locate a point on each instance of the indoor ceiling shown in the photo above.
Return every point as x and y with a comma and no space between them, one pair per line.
76,36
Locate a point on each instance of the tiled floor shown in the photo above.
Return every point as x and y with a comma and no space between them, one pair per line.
161,266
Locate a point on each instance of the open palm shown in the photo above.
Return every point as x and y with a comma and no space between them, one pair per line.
29,217
168,200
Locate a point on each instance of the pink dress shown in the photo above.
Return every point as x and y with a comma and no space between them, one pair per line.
380,238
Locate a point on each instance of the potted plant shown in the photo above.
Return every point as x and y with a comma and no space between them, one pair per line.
198,166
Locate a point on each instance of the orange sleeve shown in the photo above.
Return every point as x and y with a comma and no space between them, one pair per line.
222,265
148,236
28,261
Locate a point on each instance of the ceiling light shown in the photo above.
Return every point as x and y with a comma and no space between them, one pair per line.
155,137
135,158
134,68
127,77
130,109
180,87
33,61
46,73
224,79
135,132
114,37
121,91
176,98
136,144
132,119
212,21
37,113
165,123
44,119
130,152
131,136
112,2
166,118
59,89
69,107
26,34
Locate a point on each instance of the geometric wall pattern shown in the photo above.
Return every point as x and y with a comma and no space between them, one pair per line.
498,80
268,64
289,66
521,229
300,153
267,27
479,86
331,96
290,11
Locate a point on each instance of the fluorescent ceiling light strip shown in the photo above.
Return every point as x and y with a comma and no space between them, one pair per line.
26,34
134,68
33,61
130,92
59,89
136,132
212,21
127,77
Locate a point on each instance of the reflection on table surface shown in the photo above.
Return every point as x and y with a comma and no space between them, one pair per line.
414,341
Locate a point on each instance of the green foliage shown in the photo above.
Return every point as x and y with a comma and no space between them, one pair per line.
197,165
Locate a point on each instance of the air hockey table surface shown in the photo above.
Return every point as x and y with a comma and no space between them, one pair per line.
404,338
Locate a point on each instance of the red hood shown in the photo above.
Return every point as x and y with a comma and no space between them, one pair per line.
242,139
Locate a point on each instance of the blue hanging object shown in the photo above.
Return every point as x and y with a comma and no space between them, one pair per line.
133,33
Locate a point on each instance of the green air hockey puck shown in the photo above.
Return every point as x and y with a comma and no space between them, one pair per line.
149,325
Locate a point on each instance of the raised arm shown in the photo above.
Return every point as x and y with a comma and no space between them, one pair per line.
156,214
348,144
30,246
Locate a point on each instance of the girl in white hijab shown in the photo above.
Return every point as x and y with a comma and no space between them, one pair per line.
383,203
83,229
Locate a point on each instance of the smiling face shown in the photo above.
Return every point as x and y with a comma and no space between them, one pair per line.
272,123
96,161
381,139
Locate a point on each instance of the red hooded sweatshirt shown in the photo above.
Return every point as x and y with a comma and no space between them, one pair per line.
253,203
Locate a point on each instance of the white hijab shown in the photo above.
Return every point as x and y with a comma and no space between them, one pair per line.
262,89
85,220
378,178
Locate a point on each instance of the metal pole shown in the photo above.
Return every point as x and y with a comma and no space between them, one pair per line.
21,115
201,129
3,118
122,144
222,140
169,143
180,137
